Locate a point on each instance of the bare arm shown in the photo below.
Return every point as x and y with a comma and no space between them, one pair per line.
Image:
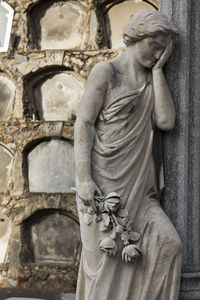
89,109
164,112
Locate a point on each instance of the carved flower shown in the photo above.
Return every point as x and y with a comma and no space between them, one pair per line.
130,253
112,202
108,246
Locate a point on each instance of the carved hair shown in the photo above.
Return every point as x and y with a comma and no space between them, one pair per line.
147,23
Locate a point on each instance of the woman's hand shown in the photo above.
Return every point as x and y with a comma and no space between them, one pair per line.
86,192
164,57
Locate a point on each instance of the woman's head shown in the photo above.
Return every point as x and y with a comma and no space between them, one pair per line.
147,23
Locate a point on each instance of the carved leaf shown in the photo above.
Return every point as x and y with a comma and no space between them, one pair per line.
134,236
88,218
125,236
106,219
103,227
119,228
129,225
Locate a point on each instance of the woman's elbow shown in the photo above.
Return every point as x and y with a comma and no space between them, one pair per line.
165,124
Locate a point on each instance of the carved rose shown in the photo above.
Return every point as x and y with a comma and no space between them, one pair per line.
108,246
112,202
130,253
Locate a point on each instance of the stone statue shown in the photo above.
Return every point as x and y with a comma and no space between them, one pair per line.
131,250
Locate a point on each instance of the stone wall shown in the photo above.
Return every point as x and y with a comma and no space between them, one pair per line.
54,45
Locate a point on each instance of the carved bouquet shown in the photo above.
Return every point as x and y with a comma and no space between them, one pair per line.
112,218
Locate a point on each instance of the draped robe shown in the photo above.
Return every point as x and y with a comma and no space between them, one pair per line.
122,162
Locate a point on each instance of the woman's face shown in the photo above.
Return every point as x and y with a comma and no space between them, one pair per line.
149,50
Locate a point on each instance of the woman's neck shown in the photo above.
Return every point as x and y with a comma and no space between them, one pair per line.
130,66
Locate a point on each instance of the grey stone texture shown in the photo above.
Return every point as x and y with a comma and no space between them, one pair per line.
57,97
67,296
51,167
124,101
181,146
117,17
67,30
55,238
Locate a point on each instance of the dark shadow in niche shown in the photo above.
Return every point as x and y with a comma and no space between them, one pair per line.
50,236
106,21
30,147
35,13
34,16
31,110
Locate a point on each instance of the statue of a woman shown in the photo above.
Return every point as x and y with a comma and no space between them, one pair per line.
131,250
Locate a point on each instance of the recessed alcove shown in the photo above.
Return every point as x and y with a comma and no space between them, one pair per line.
57,24
6,159
50,236
117,16
7,97
54,94
51,167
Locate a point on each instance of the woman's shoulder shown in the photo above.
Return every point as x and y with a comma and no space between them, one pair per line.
102,70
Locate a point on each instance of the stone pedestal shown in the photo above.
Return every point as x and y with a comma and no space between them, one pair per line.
182,145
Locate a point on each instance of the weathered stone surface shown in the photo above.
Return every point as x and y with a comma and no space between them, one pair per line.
117,18
67,29
181,146
51,167
7,95
5,230
48,246
57,97
6,159
67,296
114,168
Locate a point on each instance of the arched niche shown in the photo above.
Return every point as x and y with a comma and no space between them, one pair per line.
7,97
5,231
117,16
57,95
58,25
50,236
6,159
51,167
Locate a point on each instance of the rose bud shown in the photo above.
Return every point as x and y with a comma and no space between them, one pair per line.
112,202
130,253
108,246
